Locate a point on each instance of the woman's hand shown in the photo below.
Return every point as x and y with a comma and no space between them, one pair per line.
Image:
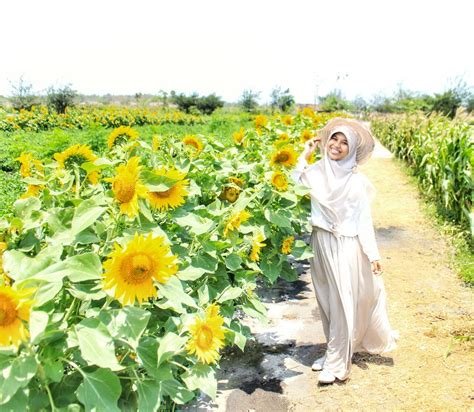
377,267
310,146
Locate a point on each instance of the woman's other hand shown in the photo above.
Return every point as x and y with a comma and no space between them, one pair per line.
310,146
377,267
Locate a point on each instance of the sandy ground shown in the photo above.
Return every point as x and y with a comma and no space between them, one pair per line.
427,304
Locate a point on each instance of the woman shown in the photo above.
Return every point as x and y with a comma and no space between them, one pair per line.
346,263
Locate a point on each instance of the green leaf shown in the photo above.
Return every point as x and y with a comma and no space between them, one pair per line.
147,352
100,391
271,270
301,251
96,344
17,375
84,267
190,273
19,402
156,183
239,338
96,165
86,214
173,291
149,396
277,219
38,323
176,391
77,268
205,261
255,309
24,207
46,291
18,266
129,323
230,293
233,261
53,369
169,345
201,377
198,224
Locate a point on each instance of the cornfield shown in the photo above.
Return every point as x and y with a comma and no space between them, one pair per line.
441,154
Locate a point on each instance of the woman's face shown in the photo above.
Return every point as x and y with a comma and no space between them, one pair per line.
337,147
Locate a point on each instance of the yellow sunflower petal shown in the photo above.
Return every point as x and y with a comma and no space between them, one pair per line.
130,272
14,313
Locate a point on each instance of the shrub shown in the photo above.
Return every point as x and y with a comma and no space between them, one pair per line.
249,100
22,96
334,101
282,100
61,98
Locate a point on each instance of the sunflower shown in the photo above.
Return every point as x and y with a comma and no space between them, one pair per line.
155,144
238,137
14,311
286,156
235,221
286,246
25,159
308,112
279,181
257,245
231,194
127,187
306,135
283,137
28,163
288,120
174,196
236,181
121,135
32,191
207,336
191,140
261,121
130,271
77,155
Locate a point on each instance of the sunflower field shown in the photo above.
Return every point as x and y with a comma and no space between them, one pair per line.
81,117
124,275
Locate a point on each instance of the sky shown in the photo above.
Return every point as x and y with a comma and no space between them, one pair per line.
364,48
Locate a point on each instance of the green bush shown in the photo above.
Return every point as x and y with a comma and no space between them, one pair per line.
61,98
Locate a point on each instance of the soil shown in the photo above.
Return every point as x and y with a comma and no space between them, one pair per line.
427,304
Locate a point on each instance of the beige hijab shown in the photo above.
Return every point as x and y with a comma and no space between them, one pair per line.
335,184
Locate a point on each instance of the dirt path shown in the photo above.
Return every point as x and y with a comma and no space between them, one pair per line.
427,304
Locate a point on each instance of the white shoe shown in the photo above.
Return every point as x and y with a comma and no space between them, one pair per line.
318,363
326,377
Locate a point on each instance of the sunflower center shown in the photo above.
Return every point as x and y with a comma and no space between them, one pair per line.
205,337
137,268
162,195
282,157
193,144
8,312
124,190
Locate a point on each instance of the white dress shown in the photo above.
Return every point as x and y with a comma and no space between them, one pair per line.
350,297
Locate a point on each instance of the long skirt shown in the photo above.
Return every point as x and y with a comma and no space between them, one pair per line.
351,300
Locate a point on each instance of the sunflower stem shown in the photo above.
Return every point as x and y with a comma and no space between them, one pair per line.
69,311
50,396
78,182
178,364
